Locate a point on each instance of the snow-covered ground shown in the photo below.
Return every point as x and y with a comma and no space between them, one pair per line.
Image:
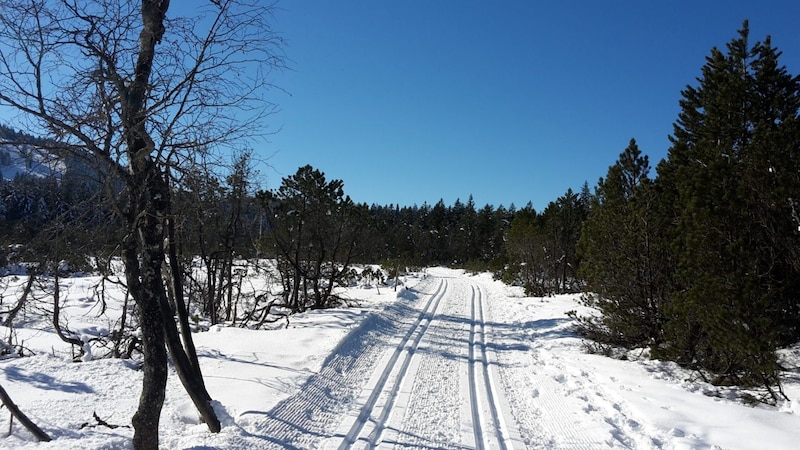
452,361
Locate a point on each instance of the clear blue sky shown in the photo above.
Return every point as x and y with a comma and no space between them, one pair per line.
412,101
510,101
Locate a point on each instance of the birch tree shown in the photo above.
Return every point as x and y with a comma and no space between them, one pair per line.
136,92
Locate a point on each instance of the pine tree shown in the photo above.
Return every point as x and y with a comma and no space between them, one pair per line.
729,185
314,229
622,254
526,251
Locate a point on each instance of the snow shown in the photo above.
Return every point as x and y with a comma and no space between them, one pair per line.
27,160
450,361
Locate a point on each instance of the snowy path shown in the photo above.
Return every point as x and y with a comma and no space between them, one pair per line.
439,370
436,390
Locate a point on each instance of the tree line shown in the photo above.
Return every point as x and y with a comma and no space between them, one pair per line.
308,219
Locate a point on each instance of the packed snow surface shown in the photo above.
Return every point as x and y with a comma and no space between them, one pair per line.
450,361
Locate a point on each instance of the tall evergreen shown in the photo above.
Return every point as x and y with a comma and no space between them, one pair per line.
730,187
623,256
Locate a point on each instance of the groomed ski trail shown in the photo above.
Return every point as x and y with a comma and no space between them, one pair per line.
485,399
441,393
449,366
309,418
384,391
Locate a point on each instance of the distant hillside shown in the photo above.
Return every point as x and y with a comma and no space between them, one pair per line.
25,158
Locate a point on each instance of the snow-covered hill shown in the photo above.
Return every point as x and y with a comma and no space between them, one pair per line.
25,160
452,361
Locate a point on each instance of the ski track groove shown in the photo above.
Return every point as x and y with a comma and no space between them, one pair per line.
473,383
483,391
407,348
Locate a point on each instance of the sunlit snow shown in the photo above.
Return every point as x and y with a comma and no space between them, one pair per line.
447,361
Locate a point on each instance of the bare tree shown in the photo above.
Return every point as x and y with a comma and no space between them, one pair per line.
214,233
136,94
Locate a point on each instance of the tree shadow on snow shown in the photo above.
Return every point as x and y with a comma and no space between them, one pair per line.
46,382
549,328
408,294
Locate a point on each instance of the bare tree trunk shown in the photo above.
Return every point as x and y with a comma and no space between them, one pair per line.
157,321
37,432
57,316
229,286
153,249
25,292
180,305
211,289
121,333
146,419
185,359
191,380
144,279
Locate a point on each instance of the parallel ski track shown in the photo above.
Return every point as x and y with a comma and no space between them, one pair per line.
482,389
392,377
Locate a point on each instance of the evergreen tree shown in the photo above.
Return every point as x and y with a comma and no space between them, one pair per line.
314,229
439,233
622,256
486,245
564,219
526,250
730,186
465,233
